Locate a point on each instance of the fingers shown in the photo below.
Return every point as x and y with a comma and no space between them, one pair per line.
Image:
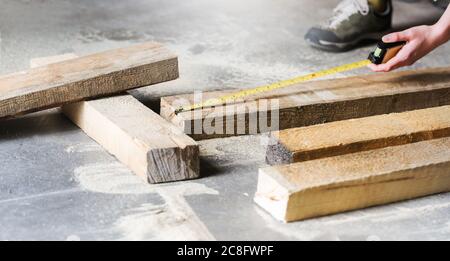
373,67
397,37
387,67
401,59
418,44
404,57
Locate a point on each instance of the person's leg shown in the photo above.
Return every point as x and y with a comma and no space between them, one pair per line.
379,5
441,3
352,21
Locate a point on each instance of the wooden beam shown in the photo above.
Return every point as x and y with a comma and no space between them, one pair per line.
153,148
349,136
86,77
331,185
149,145
43,61
318,102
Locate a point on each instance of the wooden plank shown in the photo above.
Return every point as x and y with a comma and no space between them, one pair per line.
336,184
85,77
349,136
149,145
153,148
43,61
318,102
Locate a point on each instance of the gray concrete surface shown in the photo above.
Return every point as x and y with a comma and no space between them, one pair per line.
58,184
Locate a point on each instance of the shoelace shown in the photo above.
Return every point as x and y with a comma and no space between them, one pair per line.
347,8
361,5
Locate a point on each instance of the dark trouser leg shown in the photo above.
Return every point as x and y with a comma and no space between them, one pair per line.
379,5
441,3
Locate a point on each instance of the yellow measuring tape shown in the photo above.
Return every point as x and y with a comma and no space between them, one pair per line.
235,96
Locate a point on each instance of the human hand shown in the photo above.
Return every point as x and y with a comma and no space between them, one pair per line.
420,41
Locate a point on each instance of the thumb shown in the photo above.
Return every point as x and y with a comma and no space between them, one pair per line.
395,37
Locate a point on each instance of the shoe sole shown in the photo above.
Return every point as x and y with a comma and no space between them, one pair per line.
346,46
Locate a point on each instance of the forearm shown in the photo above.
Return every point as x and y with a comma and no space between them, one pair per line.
442,27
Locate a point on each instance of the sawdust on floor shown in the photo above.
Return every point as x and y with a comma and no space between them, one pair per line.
172,220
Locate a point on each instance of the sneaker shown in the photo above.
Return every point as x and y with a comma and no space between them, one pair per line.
352,22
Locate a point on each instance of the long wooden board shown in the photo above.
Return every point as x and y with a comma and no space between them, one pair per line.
86,77
336,184
349,136
150,146
316,102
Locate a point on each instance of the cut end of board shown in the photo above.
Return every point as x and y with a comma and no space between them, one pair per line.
167,112
167,165
271,195
277,153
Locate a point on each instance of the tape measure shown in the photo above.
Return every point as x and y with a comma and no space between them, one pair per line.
383,53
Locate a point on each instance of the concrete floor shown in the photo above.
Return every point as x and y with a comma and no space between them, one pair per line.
58,184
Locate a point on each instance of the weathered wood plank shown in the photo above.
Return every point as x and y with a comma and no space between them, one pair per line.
349,136
336,184
318,102
86,77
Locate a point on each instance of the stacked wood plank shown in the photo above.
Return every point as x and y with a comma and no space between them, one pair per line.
352,181
349,143
356,163
153,148
345,151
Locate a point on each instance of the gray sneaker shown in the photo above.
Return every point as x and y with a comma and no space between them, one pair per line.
352,22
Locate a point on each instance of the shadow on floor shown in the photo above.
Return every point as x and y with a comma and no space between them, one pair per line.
42,123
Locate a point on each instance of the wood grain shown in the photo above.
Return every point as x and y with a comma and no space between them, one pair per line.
336,184
86,77
349,136
320,101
